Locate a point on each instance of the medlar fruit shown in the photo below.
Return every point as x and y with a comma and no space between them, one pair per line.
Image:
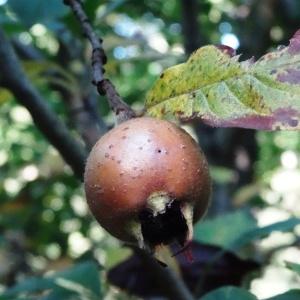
147,181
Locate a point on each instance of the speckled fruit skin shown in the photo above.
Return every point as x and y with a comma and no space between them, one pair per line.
137,158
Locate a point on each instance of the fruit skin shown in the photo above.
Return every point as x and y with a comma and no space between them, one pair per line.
137,159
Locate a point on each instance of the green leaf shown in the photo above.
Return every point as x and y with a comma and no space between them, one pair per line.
234,293
69,288
229,293
262,232
14,298
290,295
236,230
30,285
221,91
83,277
223,230
37,11
293,266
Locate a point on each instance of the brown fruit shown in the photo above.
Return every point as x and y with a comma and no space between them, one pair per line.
147,181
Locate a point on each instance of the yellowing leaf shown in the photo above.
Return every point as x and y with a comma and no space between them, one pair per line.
5,95
223,92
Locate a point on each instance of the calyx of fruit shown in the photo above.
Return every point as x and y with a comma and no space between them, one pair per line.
147,181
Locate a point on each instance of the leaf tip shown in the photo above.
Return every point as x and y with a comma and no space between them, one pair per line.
294,46
227,50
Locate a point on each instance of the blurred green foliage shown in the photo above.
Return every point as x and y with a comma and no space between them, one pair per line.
45,225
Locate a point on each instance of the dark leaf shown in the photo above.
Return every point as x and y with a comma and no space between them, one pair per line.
132,276
212,265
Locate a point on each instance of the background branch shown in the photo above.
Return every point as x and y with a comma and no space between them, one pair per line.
104,86
85,118
190,26
13,78
81,100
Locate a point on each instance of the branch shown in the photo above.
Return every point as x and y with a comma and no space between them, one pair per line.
191,30
122,111
13,78
85,118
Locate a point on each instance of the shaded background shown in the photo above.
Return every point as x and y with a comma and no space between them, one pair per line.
44,221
